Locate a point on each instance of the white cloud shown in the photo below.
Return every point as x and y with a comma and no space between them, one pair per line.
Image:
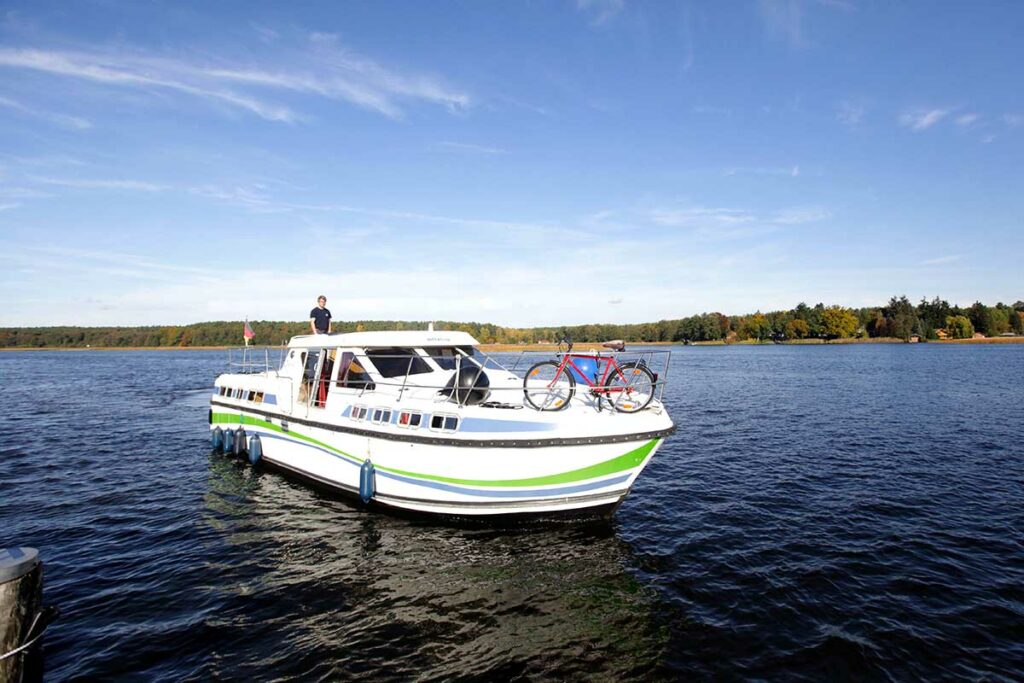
470,147
800,216
102,184
922,119
600,11
8,207
941,260
1013,119
783,18
851,113
126,71
790,171
968,119
64,120
700,216
320,66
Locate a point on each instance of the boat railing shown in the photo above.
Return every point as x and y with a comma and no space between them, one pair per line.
657,361
502,394
252,360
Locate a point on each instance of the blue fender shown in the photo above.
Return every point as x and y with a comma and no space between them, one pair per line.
366,477
255,449
217,439
229,441
240,441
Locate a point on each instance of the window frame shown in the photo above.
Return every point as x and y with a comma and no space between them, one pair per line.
444,418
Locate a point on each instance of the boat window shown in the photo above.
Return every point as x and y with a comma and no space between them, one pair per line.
381,416
396,362
251,396
410,419
444,423
445,356
259,397
358,412
352,374
223,391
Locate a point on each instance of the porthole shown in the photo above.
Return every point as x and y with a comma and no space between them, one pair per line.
410,419
444,423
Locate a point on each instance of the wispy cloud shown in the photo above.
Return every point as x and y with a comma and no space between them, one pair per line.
7,207
789,171
101,184
799,216
249,198
700,216
783,19
922,119
1013,120
734,223
969,119
710,109
320,66
941,260
73,122
470,147
126,71
600,11
851,113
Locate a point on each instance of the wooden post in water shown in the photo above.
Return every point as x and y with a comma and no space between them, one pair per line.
21,596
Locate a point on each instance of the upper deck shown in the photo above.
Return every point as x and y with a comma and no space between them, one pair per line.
394,338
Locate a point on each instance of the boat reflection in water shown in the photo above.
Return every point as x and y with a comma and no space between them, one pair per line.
319,588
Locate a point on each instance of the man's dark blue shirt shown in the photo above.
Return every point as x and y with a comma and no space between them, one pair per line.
321,318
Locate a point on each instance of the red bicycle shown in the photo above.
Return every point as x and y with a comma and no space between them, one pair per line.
551,384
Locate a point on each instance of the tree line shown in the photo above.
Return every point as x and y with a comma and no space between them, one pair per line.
900,318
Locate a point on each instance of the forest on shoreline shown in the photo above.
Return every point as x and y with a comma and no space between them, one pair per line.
900,318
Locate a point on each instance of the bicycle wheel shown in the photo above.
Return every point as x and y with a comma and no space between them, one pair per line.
630,388
545,388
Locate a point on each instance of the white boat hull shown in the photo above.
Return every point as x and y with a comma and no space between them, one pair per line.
463,480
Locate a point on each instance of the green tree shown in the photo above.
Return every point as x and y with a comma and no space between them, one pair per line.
959,327
797,329
901,318
838,322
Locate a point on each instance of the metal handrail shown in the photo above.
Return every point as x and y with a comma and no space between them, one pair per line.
405,384
245,360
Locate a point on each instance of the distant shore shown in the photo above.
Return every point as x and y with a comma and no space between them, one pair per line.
581,347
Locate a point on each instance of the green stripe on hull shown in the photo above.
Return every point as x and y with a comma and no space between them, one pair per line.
626,461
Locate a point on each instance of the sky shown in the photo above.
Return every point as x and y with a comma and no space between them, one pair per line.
522,163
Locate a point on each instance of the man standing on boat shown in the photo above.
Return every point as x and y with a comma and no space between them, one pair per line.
320,317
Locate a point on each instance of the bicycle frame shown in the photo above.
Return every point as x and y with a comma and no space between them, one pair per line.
599,385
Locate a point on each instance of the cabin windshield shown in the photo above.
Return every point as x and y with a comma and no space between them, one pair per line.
397,362
445,356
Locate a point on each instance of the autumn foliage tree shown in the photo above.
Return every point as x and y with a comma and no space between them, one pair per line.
838,322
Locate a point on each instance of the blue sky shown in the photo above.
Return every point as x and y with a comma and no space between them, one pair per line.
524,163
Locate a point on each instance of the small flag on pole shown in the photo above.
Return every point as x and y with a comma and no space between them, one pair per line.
247,332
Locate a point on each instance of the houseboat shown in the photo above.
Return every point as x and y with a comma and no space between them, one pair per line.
423,421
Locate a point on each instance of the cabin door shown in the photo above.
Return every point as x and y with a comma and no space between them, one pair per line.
319,372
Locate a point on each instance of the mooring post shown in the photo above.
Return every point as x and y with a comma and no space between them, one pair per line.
21,596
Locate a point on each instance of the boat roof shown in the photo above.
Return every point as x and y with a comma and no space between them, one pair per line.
402,338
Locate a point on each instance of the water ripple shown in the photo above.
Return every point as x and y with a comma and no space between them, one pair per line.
822,513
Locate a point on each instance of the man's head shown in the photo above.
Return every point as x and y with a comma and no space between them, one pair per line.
321,301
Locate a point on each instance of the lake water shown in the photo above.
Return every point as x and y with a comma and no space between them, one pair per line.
823,512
